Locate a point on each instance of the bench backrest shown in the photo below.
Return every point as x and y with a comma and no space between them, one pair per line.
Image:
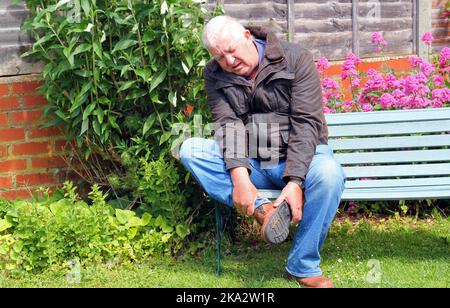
402,154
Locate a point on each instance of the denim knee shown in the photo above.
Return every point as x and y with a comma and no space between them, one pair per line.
328,173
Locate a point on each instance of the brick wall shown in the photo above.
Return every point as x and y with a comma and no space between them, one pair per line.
29,155
440,25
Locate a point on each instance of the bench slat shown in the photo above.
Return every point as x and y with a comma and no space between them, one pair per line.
389,129
397,170
442,192
381,194
419,182
393,157
392,116
390,142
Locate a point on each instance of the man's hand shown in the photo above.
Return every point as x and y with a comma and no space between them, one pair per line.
244,192
293,194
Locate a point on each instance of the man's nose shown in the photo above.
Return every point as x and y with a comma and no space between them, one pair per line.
230,59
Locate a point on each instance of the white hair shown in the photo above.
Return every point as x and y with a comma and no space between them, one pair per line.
219,27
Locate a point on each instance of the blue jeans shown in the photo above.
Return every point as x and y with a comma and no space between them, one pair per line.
324,185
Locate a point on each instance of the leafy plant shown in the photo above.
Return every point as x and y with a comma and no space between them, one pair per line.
37,234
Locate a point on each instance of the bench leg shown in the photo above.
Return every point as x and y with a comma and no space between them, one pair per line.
219,223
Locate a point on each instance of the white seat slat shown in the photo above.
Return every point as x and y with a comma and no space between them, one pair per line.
392,116
389,129
393,157
390,142
416,182
398,170
381,194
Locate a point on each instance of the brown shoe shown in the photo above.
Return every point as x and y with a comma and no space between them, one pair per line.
275,221
312,282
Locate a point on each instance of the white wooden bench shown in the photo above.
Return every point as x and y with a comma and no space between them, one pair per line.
389,155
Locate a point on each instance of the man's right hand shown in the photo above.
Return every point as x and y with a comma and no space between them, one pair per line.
244,192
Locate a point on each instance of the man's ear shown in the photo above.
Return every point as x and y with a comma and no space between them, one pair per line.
247,34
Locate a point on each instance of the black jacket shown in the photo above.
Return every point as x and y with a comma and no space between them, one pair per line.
286,91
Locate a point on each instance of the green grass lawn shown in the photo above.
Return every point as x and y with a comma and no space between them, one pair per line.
404,253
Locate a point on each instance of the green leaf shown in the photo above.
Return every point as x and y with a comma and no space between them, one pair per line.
4,225
86,7
87,112
84,126
149,123
123,216
124,44
127,85
182,231
165,137
136,93
157,81
82,48
146,219
18,246
134,222
96,127
143,73
100,115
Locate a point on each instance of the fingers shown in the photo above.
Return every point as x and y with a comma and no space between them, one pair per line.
280,199
296,214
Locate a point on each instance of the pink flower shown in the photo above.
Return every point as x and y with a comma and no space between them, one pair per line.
441,95
439,80
322,64
328,110
349,66
367,107
377,38
427,38
387,101
427,68
355,82
415,61
330,83
444,57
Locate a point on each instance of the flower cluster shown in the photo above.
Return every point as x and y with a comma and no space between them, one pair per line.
427,86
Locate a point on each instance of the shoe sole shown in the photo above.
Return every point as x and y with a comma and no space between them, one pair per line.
276,228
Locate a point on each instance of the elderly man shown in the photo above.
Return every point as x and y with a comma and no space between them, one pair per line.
265,95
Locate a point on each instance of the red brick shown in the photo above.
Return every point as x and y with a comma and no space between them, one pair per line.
335,70
13,165
9,103
26,87
15,194
44,132
47,162
3,152
3,119
61,145
365,66
4,90
26,117
12,134
31,148
34,101
400,65
34,179
6,182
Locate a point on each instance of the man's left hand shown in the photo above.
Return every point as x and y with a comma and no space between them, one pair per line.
293,195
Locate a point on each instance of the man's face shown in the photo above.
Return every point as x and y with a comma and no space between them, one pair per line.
236,55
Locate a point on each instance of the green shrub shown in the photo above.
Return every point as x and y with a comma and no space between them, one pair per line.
37,234
118,75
